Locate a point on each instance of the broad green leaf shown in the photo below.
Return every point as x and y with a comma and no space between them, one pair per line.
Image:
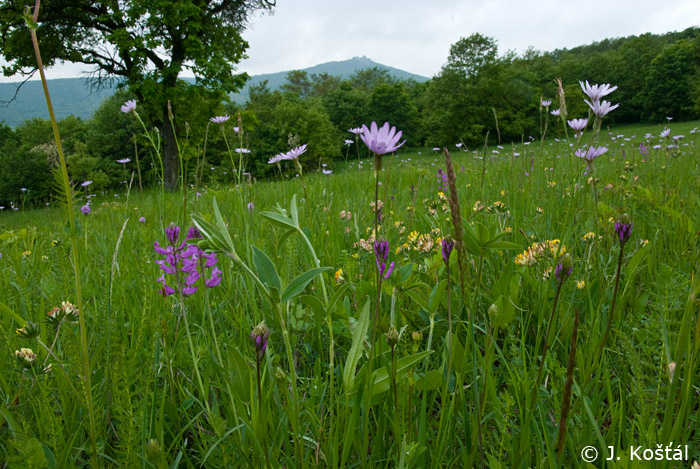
314,304
635,261
358,337
222,224
420,299
434,379
436,296
297,285
211,232
266,269
381,379
280,220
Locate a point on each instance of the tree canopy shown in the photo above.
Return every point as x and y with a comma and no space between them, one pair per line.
145,44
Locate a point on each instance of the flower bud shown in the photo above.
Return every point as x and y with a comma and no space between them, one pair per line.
392,336
259,336
564,268
623,228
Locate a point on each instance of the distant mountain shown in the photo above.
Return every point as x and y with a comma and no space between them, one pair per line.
73,96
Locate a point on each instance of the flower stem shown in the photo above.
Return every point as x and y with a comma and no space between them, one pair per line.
74,242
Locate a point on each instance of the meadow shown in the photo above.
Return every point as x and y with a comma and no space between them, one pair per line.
559,314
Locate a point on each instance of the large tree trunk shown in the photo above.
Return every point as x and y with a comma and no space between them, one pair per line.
171,160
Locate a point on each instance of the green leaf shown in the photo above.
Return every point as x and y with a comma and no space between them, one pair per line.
266,269
434,379
212,233
280,220
635,261
502,245
381,381
314,304
293,210
297,285
337,295
12,314
436,296
358,337
222,225
422,301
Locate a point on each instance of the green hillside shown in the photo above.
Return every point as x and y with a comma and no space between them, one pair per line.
74,96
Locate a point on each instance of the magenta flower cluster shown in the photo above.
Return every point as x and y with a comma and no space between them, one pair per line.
381,253
186,263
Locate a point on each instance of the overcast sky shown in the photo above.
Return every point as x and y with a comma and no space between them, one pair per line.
415,35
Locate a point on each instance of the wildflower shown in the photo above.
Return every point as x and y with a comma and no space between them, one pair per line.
85,209
580,284
589,235
259,336
671,370
381,252
129,106
356,130
643,243
30,331
185,262
448,245
251,207
339,276
219,119
555,112
124,161
601,108
26,356
86,183
623,228
665,133
545,102
596,92
591,153
381,140
26,253
142,220
564,268
293,154
327,171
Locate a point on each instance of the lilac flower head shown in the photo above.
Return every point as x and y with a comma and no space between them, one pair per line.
601,108
172,233
448,245
578,124
356,130
85,209
556,112
665,133
129,106
193,233
293,154
596,92
142,220
381,140
86,183
275,159
124,161
591,154
623,228
546,102
381,253
643,150
242,150
259,336
327,171
219,119
348,142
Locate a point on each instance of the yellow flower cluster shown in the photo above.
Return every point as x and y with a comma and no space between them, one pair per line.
588,236
539,250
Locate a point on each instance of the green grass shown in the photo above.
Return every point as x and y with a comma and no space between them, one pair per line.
151,411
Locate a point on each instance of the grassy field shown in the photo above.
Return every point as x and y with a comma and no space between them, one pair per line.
471,363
